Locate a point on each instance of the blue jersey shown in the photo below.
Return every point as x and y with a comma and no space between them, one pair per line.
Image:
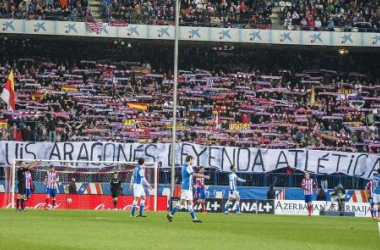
138,174
376,183
187,177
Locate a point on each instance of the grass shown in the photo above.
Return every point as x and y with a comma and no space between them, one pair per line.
63,229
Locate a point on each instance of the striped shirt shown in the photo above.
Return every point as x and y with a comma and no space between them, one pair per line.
52,179
307,186
200,183
376,183
187,177
370,186
233,181
28,179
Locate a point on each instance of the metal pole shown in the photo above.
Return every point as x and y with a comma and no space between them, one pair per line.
155,186
177,4
13,183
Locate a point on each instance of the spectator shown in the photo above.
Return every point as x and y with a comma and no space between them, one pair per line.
72,186
271,194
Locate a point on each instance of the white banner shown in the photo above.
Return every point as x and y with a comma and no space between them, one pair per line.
297,207
246,159
208,34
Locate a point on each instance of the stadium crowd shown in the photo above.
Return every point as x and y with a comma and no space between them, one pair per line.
322,14
226,96
63,10
248,14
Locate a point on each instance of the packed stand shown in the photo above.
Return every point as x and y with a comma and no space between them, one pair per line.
344,15
257,98
247,14
62,10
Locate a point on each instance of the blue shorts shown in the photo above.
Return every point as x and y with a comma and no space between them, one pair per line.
201,193
308,198
28,192
371,201
52,192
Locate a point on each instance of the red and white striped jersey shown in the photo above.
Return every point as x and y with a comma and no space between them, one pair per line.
200,182
28,179
370,187
307,186
52,179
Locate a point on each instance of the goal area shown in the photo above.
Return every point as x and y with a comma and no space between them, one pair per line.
82,184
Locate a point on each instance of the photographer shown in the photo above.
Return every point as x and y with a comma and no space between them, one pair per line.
338,195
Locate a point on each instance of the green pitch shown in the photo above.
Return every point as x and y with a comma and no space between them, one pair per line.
37,229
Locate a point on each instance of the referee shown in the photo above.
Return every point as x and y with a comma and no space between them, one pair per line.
21,185
115,188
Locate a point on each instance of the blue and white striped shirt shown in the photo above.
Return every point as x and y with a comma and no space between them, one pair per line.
233,181
187,177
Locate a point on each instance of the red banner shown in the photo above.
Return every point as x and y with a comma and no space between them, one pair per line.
90,202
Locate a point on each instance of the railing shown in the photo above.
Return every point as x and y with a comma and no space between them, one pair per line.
50,17
253,179
276,179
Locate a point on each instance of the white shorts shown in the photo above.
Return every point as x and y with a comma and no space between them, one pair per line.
138,190
234,195
376,199
187,195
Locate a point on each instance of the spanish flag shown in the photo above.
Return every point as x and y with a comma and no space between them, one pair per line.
8,94
3,123
38,96
135,105
68,88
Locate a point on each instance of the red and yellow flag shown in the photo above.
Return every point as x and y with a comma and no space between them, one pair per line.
68,88
135,105
4,123
8,94
38,96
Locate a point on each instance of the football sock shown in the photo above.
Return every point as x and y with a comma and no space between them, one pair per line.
142,205
134,204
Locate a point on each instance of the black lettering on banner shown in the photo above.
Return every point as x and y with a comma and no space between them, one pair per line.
296,151
349,167
356,164
224,153
210,155
16,151
337,164
84,157
258,161
130,152
21,151
170,156
136,151
374,167
7,153
29,152
197,154
239,158
112,153
153,158
99,156
120,151
319,163
307,160
279,162
183,153
68,152
55,153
